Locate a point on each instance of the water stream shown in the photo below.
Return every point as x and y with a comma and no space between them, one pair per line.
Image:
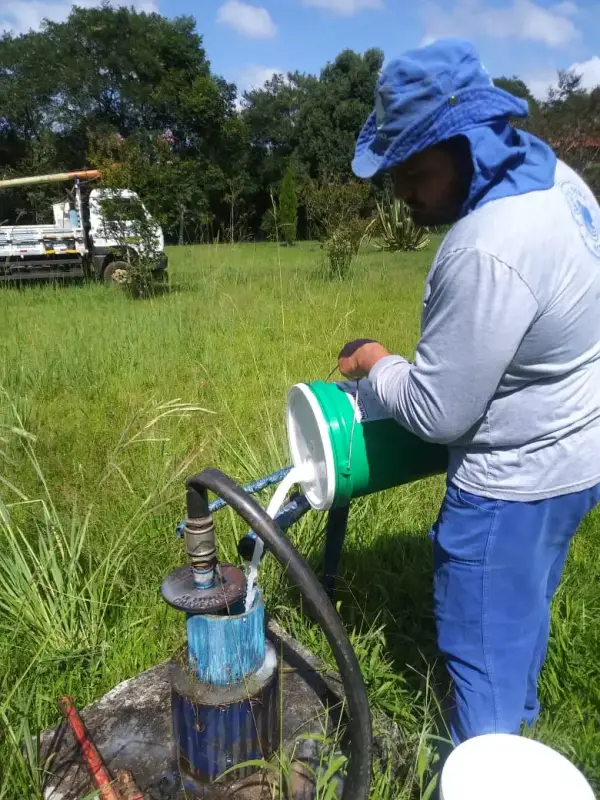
277,501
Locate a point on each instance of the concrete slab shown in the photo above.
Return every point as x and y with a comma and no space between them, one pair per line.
131,727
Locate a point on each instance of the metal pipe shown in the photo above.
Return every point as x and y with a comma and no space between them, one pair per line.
93,761
56,177
201,549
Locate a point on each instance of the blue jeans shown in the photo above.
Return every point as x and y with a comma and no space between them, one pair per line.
497,566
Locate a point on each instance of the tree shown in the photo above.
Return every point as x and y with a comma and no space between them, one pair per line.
120,82
335,110
309,121
270,115
570,122
518,88
288,207
136,75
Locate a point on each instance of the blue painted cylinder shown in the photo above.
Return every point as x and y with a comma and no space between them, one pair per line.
224,650
216,729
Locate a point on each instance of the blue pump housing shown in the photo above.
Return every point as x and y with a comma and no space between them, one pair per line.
224,650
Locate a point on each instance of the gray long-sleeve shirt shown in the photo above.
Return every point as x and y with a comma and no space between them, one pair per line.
507,370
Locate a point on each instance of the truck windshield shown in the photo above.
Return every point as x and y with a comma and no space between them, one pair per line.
122,209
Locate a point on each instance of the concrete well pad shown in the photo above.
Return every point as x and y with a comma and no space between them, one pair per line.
131,727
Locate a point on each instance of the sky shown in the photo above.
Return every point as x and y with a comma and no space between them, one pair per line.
247,42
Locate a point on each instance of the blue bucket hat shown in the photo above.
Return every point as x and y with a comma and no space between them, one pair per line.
427,96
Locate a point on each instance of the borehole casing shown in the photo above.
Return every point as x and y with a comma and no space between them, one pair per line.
225,695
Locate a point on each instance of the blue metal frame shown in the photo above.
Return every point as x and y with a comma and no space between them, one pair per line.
335,535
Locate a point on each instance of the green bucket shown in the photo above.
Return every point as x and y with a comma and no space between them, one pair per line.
345,444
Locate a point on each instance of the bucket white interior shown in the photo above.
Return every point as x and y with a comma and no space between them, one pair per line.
506,767
310,446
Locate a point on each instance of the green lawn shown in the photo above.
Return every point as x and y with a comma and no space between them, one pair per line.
109,403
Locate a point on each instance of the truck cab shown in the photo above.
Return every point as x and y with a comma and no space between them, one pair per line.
122,230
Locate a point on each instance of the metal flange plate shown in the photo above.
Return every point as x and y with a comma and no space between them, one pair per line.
179,590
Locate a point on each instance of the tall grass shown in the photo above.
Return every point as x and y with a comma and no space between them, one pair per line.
108,403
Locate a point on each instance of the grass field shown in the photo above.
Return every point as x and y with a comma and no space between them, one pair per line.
108,403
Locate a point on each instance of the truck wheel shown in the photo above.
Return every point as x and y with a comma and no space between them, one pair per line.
115,272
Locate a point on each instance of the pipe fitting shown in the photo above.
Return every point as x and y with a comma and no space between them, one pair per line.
200,546
199,535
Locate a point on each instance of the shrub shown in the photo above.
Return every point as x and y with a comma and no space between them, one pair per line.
331,203
343,244
128,223
359,232
338,248
336,211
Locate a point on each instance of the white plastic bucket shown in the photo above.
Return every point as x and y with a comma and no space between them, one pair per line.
345,444
506,767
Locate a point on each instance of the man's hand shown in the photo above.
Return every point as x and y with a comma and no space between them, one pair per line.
357,358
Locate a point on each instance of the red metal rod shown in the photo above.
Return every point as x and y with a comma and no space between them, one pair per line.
93,761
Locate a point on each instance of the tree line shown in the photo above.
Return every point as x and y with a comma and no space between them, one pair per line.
112,86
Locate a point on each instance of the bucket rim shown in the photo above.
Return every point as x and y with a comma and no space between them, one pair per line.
515,750
318,503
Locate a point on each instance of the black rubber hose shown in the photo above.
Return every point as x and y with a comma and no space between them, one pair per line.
358,777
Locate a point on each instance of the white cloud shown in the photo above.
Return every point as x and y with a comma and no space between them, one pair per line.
20,16
540,82
521,19
254,76
589,71
567,8
252,21
345,8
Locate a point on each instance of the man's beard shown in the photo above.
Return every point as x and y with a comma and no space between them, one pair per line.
431,219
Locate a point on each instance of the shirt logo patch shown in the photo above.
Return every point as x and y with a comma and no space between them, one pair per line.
585,215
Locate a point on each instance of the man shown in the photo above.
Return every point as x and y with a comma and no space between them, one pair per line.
507,370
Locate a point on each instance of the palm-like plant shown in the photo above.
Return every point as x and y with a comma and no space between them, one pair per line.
397,230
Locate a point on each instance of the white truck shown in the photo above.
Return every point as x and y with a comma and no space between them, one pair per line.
83,241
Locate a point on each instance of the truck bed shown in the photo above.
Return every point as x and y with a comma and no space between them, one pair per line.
20,241
31,252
